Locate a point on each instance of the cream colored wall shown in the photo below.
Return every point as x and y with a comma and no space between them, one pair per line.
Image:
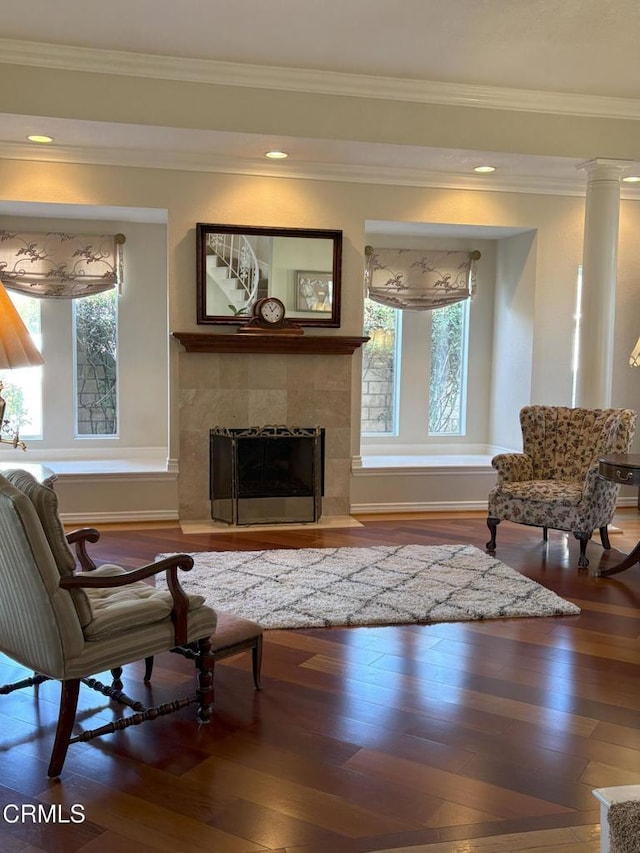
191,197
512,336
626,379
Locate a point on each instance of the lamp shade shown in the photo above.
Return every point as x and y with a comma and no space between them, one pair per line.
634,358
16,346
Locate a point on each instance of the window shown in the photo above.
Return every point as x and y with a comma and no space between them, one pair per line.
575,355
91,352
95,321
415,372
379,369
78,425
23,387
447,383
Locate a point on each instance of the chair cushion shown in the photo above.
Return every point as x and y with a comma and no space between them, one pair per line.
549,491
143,640
123,608
45,501
39,625
231,630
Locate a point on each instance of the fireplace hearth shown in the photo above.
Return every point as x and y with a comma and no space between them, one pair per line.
266,475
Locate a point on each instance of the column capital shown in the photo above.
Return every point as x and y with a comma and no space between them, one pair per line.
604,169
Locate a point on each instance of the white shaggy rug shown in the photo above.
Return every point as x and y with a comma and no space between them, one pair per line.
380,585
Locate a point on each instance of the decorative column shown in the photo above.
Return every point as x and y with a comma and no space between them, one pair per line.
599,262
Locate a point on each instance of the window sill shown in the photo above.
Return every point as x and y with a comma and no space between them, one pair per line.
102,462
439,460
421,463
423,458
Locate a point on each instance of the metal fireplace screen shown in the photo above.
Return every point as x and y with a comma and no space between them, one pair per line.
266,475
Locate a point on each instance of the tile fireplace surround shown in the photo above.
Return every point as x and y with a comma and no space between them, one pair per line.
256,389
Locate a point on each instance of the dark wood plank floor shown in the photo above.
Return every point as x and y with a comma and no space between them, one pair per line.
362,739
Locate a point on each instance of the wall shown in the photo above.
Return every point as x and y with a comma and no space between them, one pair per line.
626,380
513,330
191,197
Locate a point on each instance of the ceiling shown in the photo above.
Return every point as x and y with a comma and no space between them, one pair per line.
579,53
581,46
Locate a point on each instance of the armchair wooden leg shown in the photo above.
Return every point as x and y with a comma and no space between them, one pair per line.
545,534
492,524
148,668
604,537
116,674
583,538
68,704
205,662
256,654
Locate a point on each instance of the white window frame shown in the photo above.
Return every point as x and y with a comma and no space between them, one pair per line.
397,370
412,377
74,353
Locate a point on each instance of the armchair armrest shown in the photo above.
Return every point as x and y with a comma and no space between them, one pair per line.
594,484
169,565
513,467
79,538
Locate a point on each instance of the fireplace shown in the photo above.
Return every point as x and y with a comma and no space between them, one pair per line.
266,475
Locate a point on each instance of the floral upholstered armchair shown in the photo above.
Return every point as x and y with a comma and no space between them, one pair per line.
554,482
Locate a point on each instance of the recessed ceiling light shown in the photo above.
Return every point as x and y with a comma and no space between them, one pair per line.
632,179
483,169
35,137
276,155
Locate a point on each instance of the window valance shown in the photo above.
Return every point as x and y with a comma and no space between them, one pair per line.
56,265
419,279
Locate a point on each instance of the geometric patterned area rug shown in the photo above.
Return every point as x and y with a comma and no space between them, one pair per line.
379,585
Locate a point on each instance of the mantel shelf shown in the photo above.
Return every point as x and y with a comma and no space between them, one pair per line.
270,343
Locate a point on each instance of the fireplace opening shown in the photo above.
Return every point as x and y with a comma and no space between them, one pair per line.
271,474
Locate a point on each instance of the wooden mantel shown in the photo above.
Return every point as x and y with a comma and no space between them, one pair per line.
270,343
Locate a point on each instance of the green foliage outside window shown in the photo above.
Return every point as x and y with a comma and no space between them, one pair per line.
447,360
96,364
447,354
378,368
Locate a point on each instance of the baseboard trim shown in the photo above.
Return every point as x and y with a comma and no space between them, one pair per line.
98,478
442,506
418,506
88,519
632,500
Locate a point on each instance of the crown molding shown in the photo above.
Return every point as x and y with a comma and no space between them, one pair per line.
124,63
340,172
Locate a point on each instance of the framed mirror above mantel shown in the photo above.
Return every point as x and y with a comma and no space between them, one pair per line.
237,265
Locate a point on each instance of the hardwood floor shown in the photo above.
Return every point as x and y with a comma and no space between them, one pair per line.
362,739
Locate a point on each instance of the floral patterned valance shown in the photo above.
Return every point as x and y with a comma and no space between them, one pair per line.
419,279
56,265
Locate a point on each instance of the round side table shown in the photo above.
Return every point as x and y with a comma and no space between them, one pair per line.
623,469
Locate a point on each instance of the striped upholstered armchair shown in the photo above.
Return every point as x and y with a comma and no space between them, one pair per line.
69,626
554,482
